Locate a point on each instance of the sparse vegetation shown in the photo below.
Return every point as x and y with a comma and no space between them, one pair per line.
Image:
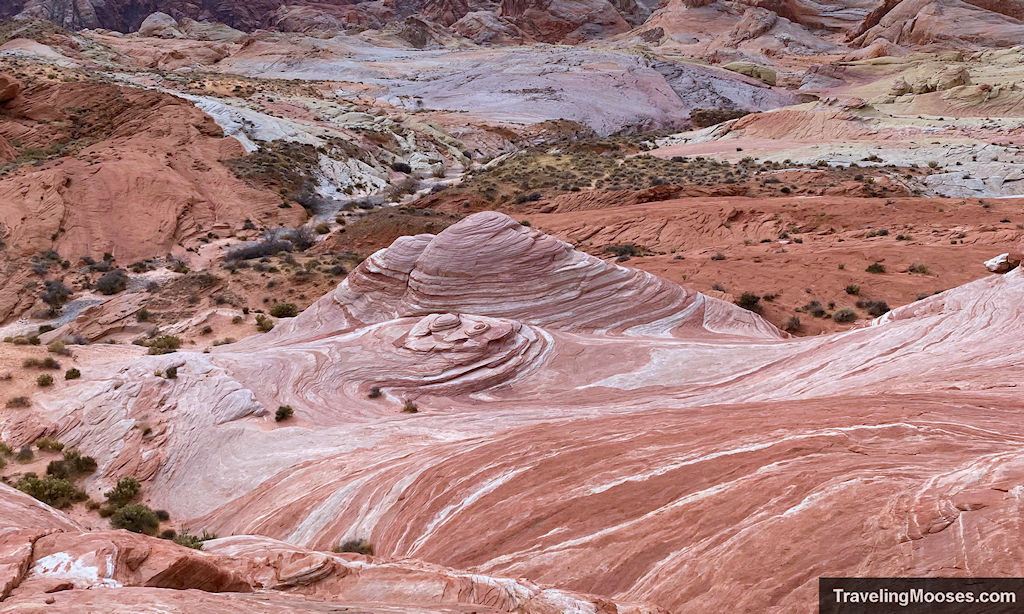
875,267
44,380
161,344
750,302
410,407
53,491
48,444
284,310
112,282
72,374
123,493
284,412
135,518
264,324
17,402
845,316
358,546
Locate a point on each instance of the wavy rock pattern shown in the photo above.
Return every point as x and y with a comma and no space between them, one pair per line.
582,425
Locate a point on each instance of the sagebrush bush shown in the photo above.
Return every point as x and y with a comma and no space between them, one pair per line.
359,546
112,282
283,413
845,315
135,518
53,491
284,310
125,490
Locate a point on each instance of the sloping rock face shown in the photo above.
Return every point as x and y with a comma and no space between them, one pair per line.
568,21
981,23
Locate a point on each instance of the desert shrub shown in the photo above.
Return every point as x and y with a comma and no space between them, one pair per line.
188,540
162,515
283,413
143,315
410,408
58,347
375,393
24,454
264,324
36,363
112,282
528,197
853,289
322,228
874,308
55,294
135,518
48,444
53,491
702,118
72,466
401,167
72,374
274,242
750,302
44,380
125,490
718,256
359,546
920,269
875,267
162,344
15,402
845,315
171,372
625,249
792,324
284,310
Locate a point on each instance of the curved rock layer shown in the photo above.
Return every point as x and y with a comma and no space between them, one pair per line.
570,431
491,265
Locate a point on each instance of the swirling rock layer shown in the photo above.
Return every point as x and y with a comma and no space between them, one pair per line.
609,437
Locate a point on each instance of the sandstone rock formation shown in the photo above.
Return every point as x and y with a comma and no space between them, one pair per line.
569,21
9,88
160,25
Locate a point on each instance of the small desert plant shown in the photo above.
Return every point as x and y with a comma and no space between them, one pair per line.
171,372
853,289
792,324
283,413
264,324
48,444
750,302
58,347
162,344
125,490
874,308
14,402
375,393
112,282
284,310
359,546
55,492
72,374
845,315
135,518
44,380
875,267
